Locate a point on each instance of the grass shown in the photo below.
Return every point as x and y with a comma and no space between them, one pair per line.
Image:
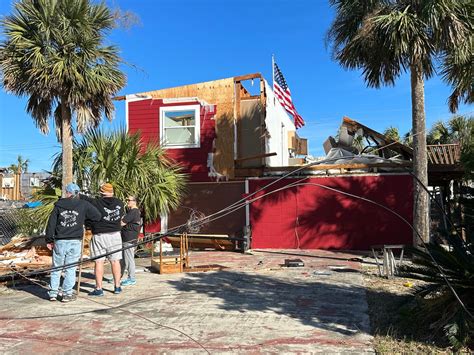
393,318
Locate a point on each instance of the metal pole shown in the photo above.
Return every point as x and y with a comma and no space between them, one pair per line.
273,72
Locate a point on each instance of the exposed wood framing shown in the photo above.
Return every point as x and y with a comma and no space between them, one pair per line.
248,77
259,156
382,140
444,154
238,91
241,94
227,94
343,168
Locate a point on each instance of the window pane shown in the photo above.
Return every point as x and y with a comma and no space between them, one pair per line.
180,118
179,135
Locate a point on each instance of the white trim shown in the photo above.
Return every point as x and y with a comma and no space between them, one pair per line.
163,222
126,113
137,97
197,125
132,98
236,114
247,205
214,182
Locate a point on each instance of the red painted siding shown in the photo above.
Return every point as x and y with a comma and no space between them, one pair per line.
311,217
144,116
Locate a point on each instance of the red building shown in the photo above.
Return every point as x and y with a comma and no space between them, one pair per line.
234,138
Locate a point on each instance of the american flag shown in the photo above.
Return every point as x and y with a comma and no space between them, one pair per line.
283,94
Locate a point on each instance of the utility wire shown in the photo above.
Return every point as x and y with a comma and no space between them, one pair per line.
120,307
238,204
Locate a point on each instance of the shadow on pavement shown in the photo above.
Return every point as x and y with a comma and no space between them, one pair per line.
340,308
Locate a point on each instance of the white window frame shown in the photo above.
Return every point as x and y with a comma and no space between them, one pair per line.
197,130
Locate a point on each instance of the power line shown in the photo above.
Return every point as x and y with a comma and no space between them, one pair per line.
245,201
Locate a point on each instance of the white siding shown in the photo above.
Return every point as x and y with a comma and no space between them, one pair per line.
278,125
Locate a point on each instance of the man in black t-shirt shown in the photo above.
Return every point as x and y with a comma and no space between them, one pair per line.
106,236
64,235
131,224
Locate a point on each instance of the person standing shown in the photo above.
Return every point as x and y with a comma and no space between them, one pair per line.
131,223
106,237
64,234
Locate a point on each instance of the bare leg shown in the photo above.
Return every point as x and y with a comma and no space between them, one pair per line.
99,273
116,272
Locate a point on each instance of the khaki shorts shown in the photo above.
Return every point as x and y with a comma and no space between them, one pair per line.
104,243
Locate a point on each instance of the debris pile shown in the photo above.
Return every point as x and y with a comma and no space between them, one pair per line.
24,252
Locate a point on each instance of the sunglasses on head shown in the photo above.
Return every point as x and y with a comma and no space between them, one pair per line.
130,199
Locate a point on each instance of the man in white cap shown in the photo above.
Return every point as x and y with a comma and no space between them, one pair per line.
64,234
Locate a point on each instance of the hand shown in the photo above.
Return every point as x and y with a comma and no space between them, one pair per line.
50,246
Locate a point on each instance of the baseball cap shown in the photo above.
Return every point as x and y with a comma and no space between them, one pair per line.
106,188
72,188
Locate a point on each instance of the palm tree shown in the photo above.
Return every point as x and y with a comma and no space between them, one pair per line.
392,133
459,129
386,38
53,53
20,167
439,134
131,166
440,307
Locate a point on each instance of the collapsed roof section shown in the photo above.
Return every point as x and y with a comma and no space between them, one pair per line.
385,147
361,150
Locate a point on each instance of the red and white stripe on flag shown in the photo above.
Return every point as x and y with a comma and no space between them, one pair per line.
284,97
283,94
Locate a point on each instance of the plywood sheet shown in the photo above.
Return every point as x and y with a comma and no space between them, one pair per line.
208,198
250,134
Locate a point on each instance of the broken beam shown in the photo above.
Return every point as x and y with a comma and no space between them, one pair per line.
253,157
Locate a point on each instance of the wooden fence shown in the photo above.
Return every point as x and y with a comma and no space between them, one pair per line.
10,187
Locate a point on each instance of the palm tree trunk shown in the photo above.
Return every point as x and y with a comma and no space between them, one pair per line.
66,138
421,217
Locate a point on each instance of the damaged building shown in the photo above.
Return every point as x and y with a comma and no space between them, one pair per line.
234,138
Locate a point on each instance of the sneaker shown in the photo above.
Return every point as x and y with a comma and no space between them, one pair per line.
69,298
97,292
128,282
53,298
117,290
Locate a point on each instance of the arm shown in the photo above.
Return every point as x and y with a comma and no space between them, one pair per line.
51,228
126,219
132,216
92,213
86,198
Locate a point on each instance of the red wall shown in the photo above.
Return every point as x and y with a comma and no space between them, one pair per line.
144,116
311,217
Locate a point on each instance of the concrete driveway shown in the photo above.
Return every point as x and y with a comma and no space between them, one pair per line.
254,305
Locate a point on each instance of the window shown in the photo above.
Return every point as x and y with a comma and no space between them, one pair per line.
179,126
34,182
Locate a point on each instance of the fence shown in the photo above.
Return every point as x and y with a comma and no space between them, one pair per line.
10,187
9,221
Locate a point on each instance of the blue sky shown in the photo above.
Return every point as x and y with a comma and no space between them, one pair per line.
183,41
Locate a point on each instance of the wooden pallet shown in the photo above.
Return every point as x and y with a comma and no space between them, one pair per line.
170,264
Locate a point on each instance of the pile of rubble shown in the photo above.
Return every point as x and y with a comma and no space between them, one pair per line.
24,252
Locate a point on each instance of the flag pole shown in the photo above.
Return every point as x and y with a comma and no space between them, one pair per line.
273,71
273,77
